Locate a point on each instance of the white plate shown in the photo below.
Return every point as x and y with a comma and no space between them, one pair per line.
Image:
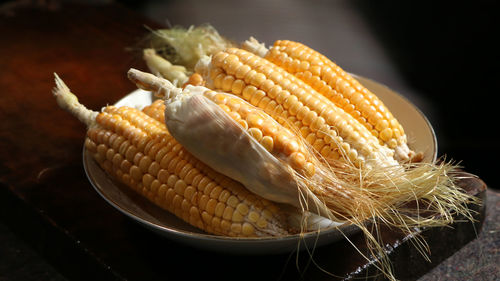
417,128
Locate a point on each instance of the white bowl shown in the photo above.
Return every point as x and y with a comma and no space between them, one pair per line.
139,209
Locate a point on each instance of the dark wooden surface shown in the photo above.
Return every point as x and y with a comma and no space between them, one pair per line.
47,201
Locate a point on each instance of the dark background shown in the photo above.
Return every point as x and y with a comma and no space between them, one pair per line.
441,55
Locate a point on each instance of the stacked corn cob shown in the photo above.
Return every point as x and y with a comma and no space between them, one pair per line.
137,150
285,123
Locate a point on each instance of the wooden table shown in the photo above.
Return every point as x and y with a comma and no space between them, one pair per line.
46,199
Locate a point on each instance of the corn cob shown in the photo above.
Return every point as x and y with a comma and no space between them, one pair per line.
201,121
275,138
339,87
138,151
332,132
296,218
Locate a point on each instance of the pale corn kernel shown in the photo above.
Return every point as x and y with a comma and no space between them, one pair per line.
396,133
90,145
257,79
225,225
155,184
227,83
179,187
204,181
215,222
393,143
345,146
237,86
253,216
255,133
147,179
171,180
224,195
236,227
353,155
311,138
302,112
177,203
185,205
268,143
219,209
218,59
218,80
172,164
189,175
242,208
257,97
196,180
237,217
262,223
386,134
117,159
109,154
136,173
310,118
243,124
249,76
290,146
230,61
274,91
266,85
228,213
247,229
210,207
209,187
162,189
218,98
264,102
318,144
154,168
206,217
282,96
318,123
216,192
144,163
242,71
203,201
248,92
189,192
101,150
235,105
280,142
255,121
195,79
125,165
291,101
163,176
167,159
310,169
137,158
232,201
298,159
